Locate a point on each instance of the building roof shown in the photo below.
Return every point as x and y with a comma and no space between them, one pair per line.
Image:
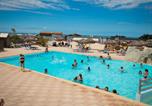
3,35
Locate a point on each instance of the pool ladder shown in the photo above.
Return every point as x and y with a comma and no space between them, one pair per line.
145,89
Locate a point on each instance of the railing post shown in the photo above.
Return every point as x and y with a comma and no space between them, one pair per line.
139,91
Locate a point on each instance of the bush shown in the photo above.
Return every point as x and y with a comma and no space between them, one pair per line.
42,41
145,37
16,39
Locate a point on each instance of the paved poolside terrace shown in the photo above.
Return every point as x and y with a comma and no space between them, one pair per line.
35,89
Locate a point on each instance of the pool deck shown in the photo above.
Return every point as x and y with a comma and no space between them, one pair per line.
34,89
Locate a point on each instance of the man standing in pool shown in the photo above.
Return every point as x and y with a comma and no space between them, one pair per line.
22,59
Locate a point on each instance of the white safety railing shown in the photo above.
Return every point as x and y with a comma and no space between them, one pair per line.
145,86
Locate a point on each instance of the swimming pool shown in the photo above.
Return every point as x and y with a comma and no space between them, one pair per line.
59,64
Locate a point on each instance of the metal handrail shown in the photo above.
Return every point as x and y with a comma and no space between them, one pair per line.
145,85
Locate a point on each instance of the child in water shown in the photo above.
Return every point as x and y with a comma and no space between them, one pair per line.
89,69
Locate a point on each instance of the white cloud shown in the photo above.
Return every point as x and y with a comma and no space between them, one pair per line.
32,4
116,4
37,6
38,12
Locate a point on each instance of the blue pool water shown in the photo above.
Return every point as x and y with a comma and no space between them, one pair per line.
60,66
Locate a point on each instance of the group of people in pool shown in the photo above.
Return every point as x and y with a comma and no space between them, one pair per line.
107,89
145,74
122,70
108,65
75,63
79,78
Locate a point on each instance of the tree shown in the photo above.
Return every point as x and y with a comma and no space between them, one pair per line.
145,37
16,39
13,31
42,41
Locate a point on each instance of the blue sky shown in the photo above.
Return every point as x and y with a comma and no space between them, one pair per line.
89,17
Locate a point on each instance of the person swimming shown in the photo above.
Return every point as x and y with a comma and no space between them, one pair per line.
82,61
97,87
89,69
52,57
101,57
45,71
114,91
140,72
103,61
108,66
106,88
88,59
141,65
146,73
75,63
134,65
122,69
79,78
